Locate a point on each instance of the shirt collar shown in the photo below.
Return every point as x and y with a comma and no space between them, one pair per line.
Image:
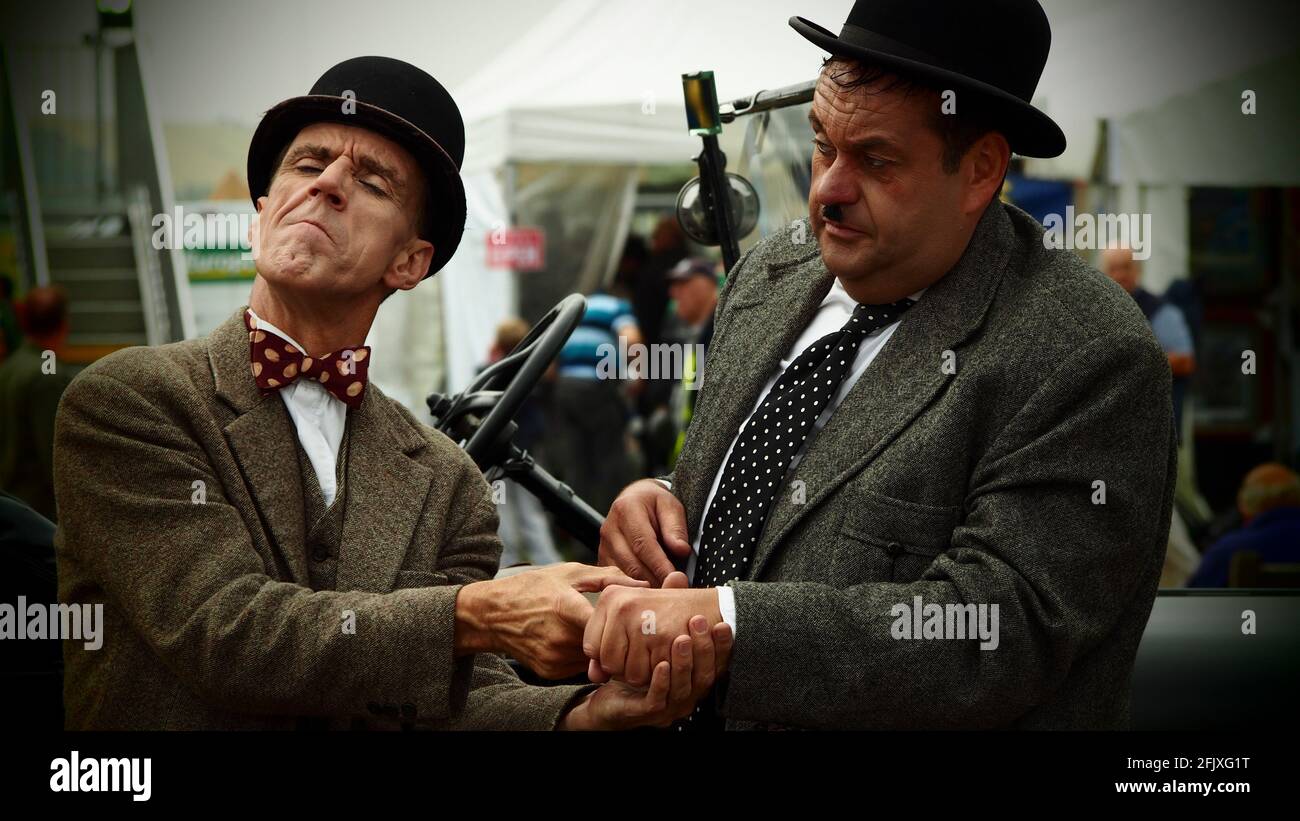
838,293
267,326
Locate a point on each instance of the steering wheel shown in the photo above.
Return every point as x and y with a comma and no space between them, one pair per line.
510,380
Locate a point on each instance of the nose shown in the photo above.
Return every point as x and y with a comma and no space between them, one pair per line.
330,184
836,185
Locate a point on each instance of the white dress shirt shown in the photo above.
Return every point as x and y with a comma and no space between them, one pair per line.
834,313
319,418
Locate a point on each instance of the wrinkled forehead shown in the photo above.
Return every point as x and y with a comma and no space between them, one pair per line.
882,102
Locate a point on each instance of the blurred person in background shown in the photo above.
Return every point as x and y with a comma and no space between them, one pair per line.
1166,320
650,302
631,263
693,286
1175,337
32,380
1269,503
588,424
525,530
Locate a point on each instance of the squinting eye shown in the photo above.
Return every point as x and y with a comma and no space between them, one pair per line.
821,146
307,168
875,162
374,188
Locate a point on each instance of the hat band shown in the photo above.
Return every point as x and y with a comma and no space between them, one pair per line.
858,36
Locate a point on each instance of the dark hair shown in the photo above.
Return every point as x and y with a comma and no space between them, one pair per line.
635,249
959,131
45,310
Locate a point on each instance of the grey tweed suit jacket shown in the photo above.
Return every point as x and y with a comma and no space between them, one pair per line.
1038,476
182,513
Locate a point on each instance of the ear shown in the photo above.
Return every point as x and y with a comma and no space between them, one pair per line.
984,166
410,265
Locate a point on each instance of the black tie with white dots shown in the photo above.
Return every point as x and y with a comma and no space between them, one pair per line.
763,452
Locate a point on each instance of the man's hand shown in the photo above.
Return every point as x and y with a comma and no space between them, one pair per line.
537,617
644,525
633,629
675,686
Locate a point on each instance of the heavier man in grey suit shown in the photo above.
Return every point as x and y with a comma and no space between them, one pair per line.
1005,447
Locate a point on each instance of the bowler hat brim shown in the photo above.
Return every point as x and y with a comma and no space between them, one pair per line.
444,207
1030,132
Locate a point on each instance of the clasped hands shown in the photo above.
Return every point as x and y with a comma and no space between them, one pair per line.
655,651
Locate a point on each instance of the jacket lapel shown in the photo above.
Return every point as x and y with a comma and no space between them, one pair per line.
902,380
386,493
905,377
385,488
262,439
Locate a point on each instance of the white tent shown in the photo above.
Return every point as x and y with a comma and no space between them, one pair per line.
599,84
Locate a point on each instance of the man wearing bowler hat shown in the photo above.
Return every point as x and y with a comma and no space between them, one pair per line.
274,542
929,477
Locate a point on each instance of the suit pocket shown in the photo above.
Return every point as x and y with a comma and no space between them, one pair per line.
419,578
893,539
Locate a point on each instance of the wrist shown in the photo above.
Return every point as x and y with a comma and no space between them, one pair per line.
578,717
473,625
709,605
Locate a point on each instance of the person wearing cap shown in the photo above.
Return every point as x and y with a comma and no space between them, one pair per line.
275,543
693,286
911,407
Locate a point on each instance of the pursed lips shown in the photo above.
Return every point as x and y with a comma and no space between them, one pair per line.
315,225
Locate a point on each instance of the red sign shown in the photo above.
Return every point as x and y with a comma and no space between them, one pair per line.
520,249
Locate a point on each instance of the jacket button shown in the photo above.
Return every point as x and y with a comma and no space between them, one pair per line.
320,553
408,711
894,548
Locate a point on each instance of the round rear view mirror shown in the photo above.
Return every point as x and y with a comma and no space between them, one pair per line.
696,222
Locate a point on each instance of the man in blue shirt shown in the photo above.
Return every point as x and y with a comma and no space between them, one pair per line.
589,413
1167,322
1269,502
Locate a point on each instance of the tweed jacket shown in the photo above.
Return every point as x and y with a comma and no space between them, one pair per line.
1011,444
182,513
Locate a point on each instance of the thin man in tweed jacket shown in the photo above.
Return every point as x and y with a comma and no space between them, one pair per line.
240,588
178,485
1011,444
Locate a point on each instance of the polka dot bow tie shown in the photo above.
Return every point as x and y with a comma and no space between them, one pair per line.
276,362
763,451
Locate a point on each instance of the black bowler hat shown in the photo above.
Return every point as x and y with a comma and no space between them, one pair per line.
994,49
394,99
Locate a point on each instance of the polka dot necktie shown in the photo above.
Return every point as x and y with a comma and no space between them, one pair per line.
277,362
763,451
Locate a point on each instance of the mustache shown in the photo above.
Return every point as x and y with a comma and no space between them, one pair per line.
832,212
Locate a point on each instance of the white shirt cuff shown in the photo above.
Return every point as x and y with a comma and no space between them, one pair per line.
664,482
727,607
